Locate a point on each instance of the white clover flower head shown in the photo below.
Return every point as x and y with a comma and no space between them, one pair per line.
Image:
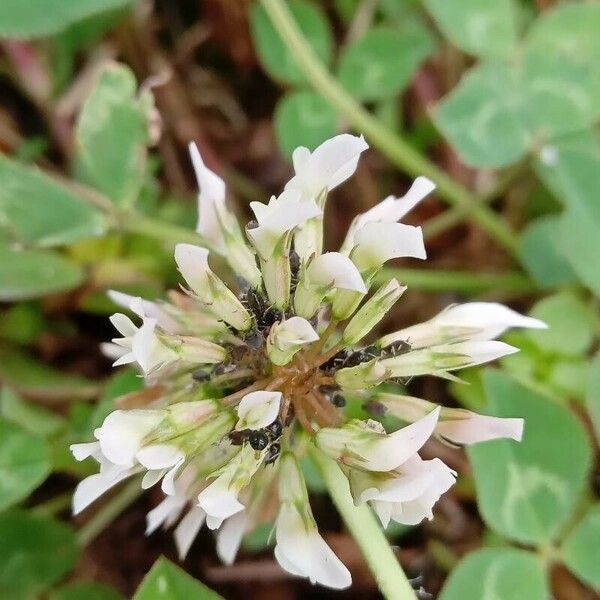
240,381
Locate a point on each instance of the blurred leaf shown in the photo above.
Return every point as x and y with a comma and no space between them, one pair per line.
35,553
483,116
38,18
271,51
303,118
593,394
259,538
499,111
168,582
571,172
540,253
479,27
21,323
526,491
382,62
35,419
34,379
85,591
29,274
112,135
24,463
581,549
36,210
497,573
570,324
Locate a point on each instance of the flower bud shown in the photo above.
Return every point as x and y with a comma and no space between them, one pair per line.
365,375
193,265
372,312
258,409
287,338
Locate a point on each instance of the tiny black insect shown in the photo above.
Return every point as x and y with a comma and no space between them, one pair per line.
395,349
200,375
258,440
338,400
273,453
254,338
237,438
274,429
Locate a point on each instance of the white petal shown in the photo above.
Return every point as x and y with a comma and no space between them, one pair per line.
123,324
258,409
159,456
336,270
302,551
479,351
192,262
83,451
219,501
168,485
151,478
187,530
295,331
377,243
230,537
491,318
479,428
169,508
122,433
91,488
115,352
392,450
144,308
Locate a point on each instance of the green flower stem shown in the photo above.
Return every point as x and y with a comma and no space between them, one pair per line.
459,281
54,505
109,512
382,562
397,150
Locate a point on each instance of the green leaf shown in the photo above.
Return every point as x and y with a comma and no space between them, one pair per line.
30,274
526,491
24,463
502,110
271,51
571,173
570,324
34,209
85,591
303,118
112,136
35,553
581,550
37,18
382,62
22,323
541,255
34,379
483,116
35,419
592,396
165,581
497,574
479,27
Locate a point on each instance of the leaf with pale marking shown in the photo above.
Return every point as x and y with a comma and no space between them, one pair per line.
497,573
526,491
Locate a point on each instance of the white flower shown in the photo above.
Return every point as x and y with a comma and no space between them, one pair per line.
88,490
212,210
321,275
229,537
456,425
376,243
365,445
276,219
329,165
149,350
300,549
407,494
220,498
188,529
438,360
391,209
258,409
145,308
287,338
462,322
193,265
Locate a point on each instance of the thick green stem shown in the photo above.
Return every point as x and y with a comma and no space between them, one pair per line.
109,512
361,523
431,280
397,150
